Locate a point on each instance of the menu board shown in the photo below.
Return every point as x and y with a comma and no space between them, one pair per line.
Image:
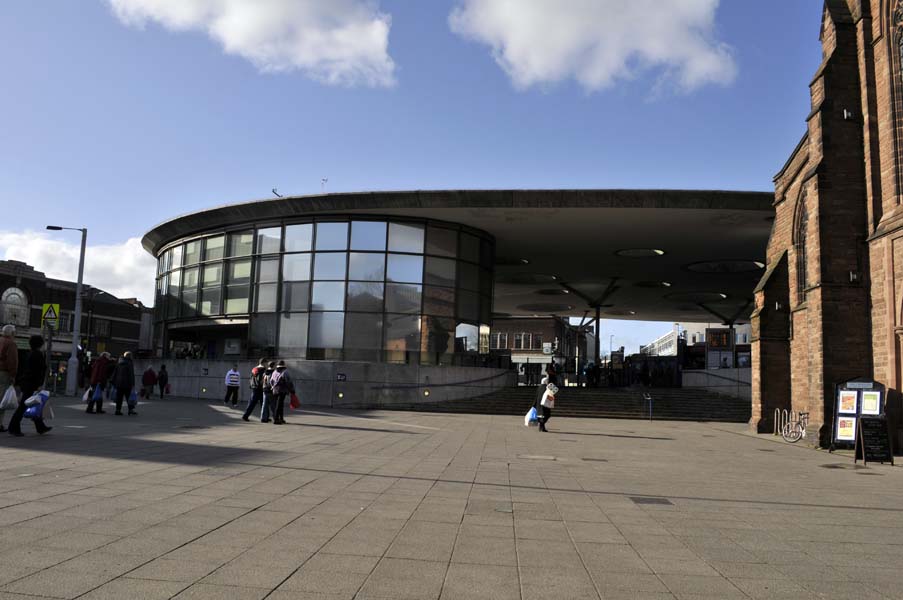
846,402
871,402
873,443
846,429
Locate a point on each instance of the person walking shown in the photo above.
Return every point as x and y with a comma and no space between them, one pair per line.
100,373
552,373
257,375
547,404
233,383
9,362
148,382
124,382
31,380
162,380
282,385
268,399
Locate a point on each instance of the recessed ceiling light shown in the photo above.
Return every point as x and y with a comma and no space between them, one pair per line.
652,284
639,252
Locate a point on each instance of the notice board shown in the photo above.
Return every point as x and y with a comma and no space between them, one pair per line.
873,442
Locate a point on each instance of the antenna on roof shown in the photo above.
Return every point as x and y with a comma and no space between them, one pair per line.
323,183
276,193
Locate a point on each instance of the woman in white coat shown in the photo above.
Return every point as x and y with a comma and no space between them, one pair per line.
547,404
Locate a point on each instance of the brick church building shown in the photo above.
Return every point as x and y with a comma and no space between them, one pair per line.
829,307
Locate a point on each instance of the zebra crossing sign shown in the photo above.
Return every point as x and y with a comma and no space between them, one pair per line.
50,316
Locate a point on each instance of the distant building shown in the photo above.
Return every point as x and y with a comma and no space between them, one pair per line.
536,341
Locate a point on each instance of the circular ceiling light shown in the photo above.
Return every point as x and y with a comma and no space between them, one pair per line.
620,313
652,284
697,297
725,266
546,307
526,278
639,252
552,292
510,261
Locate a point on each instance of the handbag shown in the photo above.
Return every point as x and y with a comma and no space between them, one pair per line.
294,402
530,418
10,399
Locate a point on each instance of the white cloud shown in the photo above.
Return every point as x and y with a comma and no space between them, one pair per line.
342,42
598,42
125,270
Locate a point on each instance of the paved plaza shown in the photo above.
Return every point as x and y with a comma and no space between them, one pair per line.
187,501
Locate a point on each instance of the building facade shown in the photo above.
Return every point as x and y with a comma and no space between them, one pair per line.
533,342
829,307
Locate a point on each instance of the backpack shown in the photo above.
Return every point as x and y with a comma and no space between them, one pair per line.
257,375
279,382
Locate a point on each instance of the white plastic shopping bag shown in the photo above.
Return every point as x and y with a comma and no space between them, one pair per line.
10,399
87,397
530,417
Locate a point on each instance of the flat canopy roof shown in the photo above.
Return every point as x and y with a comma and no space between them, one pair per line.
658,255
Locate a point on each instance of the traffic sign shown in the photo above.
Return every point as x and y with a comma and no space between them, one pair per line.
50,316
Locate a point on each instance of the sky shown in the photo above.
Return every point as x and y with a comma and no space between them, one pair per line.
120,114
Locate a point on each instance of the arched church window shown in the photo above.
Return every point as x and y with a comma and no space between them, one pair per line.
14,304
802,235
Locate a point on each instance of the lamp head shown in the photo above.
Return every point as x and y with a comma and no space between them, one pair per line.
54,228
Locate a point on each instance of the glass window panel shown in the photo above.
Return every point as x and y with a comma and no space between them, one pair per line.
266,297
470,248
486,254
239,271
330,265
367,266
325,339
210,301
332,236
161,264
440,271
298,238
365,296
262,336
176,257
190,279
241,243
439,301
296,267
175,282
213,247
438,338
269,240
402,333
295,296
363,336
368,235
441,241
193,252
403,298
213,275
293,335
328,295
405,238
486,282
484,339
268,270
485,309
237,297
405,268
468,276
189,303
467,338
468,305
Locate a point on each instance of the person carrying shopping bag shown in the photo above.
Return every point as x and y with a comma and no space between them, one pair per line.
547,403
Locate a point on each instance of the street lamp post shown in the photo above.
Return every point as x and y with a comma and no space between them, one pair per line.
72,368
610,338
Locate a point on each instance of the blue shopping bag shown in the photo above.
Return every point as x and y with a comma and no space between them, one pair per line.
531,417
98,393
133,399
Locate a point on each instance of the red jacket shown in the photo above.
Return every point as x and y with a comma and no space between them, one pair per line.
149,377
99,370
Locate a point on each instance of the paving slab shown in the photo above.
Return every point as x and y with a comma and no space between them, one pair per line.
374,504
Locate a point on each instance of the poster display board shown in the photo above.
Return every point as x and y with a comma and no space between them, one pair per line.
853,401
873,442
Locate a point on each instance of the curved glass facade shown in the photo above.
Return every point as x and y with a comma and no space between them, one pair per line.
375,290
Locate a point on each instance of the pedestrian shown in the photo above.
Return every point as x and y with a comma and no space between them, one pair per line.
257,375
110,391
100,374
148,382
547,404
9,362
552,373
268,398
31,380
233,383
124,382
282,385
162,380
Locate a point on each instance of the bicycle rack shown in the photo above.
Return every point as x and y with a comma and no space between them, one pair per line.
781,418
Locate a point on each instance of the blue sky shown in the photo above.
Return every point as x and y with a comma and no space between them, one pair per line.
117,127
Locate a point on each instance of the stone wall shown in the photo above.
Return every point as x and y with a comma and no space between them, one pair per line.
365,385
729,382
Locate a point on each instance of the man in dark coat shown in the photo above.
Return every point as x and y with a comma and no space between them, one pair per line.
100,373
124,382
31,379
162,380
